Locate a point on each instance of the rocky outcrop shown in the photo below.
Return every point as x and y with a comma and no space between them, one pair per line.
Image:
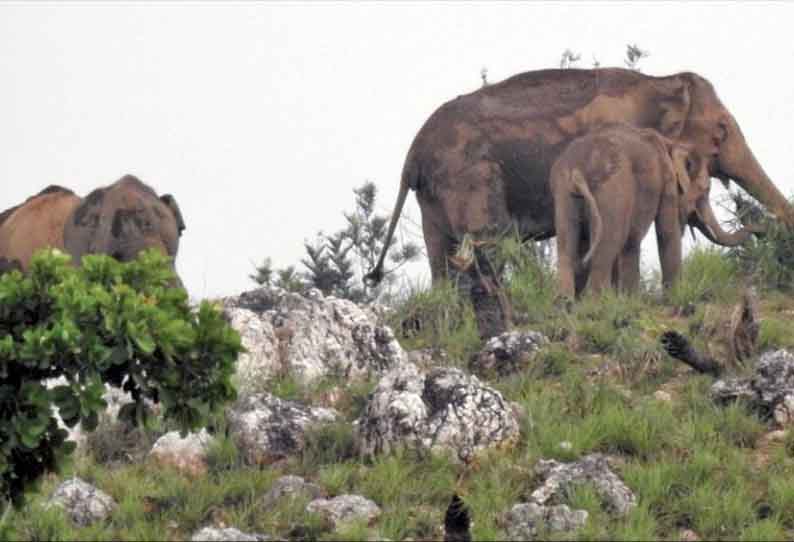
344,509
291,487
217,534
188,454
769,390
83,503
266,428
443,410
308,336
525,521
594,469
508,352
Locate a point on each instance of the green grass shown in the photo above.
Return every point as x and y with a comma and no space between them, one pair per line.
775,333
706,275
692,464
438,317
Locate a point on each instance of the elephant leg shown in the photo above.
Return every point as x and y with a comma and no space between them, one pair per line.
437,243
616,274
629,268
668,237
602,266
568,225
582,274
605,266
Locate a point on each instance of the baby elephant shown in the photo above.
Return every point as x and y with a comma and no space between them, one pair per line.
608,187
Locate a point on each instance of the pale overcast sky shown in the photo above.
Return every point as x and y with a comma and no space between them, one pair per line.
260,118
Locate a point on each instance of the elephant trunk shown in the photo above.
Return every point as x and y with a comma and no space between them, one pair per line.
707,223
736,161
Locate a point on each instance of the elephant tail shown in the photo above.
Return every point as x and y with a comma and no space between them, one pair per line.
410,178
596,225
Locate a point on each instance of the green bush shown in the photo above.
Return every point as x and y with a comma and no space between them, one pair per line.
103,323
768,259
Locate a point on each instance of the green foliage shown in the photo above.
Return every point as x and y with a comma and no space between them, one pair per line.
706,275
768,259
103,323
287,278
336,263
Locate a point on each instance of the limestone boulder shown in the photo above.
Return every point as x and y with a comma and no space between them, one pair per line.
444,410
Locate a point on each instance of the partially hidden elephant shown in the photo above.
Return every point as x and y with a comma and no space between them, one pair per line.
480,164
119,220
614,183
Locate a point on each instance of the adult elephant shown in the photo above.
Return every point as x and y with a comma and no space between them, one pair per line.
480,164
120,220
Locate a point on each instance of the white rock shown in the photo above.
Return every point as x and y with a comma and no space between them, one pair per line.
344,509
215,534
309,337
261,360
266,428
83,503
445,410
506,353
291,487
594,468
525,521
661,395
187,454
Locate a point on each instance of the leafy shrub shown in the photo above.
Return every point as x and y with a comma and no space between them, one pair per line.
105,322
706,275
768,259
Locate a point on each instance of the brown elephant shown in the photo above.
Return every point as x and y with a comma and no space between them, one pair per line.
615,182
36,223
481,162
119,220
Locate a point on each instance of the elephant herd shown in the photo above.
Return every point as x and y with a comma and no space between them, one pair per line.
591,156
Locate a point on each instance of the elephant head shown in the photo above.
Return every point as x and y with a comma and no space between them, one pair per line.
694,184
123,219
691,113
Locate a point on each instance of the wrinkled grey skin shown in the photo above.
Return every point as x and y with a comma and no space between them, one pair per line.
123,219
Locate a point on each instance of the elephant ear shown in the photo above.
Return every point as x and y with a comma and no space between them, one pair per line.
674,102
170,202
698,172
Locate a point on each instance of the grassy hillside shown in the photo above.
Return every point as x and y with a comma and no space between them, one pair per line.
602,384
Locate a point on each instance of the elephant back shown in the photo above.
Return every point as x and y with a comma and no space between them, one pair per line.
37,223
